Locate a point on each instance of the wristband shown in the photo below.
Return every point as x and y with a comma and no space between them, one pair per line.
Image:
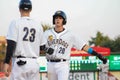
90,51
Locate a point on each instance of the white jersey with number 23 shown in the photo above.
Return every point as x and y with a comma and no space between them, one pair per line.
28,35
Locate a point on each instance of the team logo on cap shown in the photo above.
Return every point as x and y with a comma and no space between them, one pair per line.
58,12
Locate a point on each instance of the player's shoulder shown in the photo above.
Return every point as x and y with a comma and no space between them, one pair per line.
49,30
69,31
13,22
17,20
35,22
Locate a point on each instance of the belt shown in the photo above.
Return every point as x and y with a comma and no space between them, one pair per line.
56,60
25,57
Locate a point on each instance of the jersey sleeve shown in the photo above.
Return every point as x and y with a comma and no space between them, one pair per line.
45,35
77,42
12,31
43,41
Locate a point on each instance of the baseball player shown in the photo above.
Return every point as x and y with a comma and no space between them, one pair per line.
24,38
61,40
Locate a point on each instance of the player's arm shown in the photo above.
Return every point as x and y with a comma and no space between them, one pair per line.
44,49
93,52
11,45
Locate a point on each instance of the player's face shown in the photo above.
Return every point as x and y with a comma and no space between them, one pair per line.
59,21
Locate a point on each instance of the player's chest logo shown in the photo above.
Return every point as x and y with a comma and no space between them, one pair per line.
52,41
50,37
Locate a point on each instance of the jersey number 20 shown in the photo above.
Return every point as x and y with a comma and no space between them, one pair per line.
29,34
62,50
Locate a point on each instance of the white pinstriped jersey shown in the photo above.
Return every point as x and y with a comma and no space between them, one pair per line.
28,35
62,43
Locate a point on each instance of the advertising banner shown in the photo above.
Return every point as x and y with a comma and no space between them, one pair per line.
74,76
102,50
114,61
81,76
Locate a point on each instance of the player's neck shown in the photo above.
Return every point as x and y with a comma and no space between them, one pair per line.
59,29
25,14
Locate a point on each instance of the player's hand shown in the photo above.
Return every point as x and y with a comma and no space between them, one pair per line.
50,51
47,50
104,60
6,69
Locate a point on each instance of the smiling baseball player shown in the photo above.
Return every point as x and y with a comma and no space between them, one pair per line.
61,41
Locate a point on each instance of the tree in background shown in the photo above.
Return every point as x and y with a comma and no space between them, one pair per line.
99,39
46,27
114,45
105,41
117,44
